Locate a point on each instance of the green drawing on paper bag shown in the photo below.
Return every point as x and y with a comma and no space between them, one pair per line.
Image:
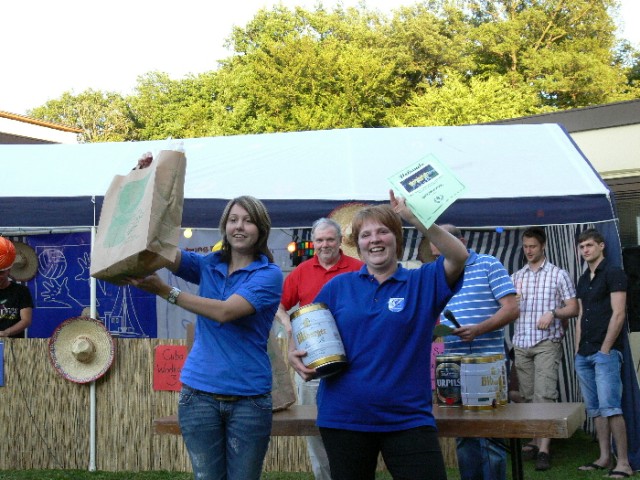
126,216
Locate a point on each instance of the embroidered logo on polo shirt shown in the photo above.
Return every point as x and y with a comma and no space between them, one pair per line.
396,304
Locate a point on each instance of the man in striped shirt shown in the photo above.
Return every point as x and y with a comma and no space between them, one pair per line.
547,300
483,306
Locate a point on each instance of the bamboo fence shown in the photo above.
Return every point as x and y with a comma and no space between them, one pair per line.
45,419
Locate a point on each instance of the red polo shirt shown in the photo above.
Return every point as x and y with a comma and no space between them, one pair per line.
305,281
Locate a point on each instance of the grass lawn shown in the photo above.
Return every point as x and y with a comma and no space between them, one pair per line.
567,456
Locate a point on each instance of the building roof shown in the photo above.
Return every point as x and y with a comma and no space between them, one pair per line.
19,129
587,118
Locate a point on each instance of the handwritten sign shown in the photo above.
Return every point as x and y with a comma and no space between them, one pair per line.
167,365
428,187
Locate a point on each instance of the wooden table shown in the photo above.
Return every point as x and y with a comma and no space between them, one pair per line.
514,421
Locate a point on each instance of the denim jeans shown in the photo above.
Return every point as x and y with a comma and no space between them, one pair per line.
601,383
225,440
482,459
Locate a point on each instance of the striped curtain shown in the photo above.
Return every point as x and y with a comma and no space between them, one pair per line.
505,245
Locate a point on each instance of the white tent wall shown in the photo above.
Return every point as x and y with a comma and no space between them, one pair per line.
302,175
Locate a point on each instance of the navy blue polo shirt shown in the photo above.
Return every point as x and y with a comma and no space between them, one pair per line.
386,330
595,295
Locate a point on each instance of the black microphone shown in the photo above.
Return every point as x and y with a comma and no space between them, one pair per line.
449,316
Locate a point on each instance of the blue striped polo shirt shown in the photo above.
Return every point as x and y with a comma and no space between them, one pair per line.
485,282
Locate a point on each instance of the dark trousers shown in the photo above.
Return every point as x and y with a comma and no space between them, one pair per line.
412,454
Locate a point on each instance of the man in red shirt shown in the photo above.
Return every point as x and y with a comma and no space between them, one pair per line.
300,288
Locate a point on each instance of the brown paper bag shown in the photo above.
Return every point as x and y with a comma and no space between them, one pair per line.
140,220
283,394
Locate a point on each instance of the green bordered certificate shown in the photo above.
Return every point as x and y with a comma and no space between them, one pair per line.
428,187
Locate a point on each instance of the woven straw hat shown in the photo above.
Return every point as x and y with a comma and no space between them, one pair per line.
25,265
81,349
344,216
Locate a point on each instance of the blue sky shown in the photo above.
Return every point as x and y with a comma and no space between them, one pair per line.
73,45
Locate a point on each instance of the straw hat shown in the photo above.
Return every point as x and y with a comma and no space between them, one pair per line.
344,216
7,253
25,265
81,349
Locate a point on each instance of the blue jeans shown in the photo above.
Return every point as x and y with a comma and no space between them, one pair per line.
601,382
482,459
225,440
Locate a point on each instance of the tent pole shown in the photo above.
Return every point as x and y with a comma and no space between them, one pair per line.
92,391
92,428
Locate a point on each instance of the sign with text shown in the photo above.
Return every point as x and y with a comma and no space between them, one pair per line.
167,366
428,186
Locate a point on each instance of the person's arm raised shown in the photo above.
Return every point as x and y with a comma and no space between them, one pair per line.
454,252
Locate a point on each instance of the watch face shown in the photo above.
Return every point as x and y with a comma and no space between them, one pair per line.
173,295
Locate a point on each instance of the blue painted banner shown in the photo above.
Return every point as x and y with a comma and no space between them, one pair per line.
61,290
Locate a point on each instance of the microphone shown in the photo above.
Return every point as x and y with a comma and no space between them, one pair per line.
449,316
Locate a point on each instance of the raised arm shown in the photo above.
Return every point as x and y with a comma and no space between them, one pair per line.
454,252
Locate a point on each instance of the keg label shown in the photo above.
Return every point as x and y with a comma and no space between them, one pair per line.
448,381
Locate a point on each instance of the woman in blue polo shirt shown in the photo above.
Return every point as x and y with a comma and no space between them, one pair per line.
225,405
381,402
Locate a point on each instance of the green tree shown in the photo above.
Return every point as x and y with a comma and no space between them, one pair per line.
301,70
427,39
460,101
438,62
564,48
163,107
102,116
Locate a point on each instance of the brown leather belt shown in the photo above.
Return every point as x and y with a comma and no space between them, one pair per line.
227,398
233,398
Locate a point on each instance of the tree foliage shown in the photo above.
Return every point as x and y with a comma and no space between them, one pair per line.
461,101
300,70
438,62
102,116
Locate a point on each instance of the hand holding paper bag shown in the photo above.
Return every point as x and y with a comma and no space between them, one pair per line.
140,221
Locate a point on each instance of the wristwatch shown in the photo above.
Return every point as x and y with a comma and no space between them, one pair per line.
173,295
553,312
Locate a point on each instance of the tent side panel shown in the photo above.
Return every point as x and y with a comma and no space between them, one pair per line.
526,211
47,212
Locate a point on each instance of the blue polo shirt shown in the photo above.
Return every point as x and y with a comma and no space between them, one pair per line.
231,358
485,282
386,331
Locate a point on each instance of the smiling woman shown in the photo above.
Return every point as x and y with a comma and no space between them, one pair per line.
225,404
385,315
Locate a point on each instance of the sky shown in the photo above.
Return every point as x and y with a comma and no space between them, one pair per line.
50,47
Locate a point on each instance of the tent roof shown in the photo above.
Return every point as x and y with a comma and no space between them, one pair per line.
514,174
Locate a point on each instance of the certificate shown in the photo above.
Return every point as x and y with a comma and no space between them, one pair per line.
428,187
